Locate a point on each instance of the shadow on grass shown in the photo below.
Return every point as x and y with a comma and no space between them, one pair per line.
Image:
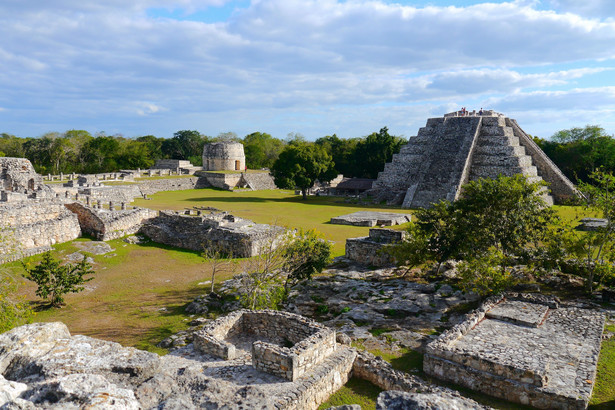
410,362
355,391
312,200
607,405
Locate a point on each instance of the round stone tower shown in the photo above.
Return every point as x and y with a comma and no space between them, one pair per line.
224,156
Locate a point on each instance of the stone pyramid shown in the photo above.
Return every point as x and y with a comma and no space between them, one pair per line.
455,149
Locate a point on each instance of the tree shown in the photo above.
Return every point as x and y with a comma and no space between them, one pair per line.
301,165
282,261
596,248
580,151
343,153
375,151
261,150
217,260
308,253
55,280
500,216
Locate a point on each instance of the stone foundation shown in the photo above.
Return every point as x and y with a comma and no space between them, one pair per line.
368,218
309,343
523,349
231,235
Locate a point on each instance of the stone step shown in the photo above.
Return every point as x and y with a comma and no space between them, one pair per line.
494,121
501,150
498,160
498,140
483,171
489,131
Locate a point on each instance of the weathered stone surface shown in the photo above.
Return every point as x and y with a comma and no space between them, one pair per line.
549,365
371,250
32,227
399,400
106,224
19,181
44,367
452,150
232,235
224,156
369,218
591,224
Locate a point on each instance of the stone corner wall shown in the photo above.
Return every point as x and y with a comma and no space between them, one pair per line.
106,225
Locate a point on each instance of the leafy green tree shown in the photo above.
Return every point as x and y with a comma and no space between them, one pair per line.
485,274
301,165
343,153
596,248
55,280
375,151
502,216
580,151
506,213
308,253
261,150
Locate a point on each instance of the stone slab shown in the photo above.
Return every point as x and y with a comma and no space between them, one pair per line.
368,218
520,312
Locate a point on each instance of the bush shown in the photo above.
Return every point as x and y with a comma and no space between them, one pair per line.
484,275
55,280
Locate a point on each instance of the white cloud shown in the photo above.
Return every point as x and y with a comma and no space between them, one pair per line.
69,61
602,9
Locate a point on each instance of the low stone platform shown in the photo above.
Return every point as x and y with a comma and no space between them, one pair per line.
368,218
370,250
524,349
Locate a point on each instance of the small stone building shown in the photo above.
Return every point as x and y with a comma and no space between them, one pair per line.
224,156
19,181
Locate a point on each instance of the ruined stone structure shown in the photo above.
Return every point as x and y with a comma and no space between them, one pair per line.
453,150
523,348
224,156
281,343
31,227
231,235
369,250
19,181
177,165
105,224
370,218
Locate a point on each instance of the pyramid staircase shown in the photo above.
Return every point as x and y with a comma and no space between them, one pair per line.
453,150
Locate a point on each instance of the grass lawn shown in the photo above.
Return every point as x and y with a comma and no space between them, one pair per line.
273,207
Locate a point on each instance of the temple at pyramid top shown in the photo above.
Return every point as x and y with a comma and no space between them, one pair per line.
461,147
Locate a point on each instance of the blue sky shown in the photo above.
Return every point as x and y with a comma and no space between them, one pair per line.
314,67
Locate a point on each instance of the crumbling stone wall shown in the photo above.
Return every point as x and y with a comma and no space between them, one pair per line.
221,180
105,225
232,235
311,342
150,187
31,227
259,180
370,250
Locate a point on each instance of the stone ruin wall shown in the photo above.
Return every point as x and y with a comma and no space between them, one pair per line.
241,238
105,225
371,250
32,227
259,180
312,342
220,180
